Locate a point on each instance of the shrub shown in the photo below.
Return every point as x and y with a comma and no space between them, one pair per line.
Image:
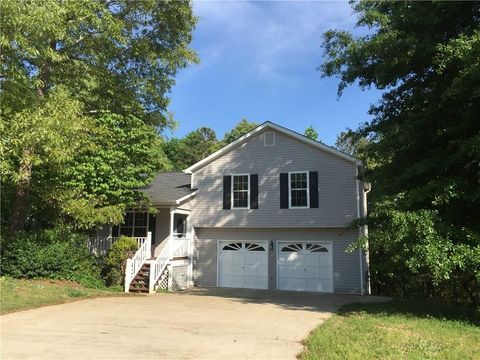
56,253
113,271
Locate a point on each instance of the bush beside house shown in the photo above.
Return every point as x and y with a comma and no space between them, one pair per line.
113,271
60,253
56,253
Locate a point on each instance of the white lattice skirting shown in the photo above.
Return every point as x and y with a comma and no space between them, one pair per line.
163,281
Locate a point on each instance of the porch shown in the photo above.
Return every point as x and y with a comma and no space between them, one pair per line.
169,228
164,256
163,259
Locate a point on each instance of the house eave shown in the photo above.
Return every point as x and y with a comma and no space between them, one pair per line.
186,197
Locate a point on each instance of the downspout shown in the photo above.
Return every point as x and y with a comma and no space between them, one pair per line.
365,233
360,257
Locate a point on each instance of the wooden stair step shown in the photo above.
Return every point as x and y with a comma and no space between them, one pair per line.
140,282
140,278
138,286
139,290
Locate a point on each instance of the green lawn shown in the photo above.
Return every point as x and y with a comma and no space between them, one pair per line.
19,294
396,330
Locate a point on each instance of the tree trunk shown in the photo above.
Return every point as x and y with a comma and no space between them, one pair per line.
18,217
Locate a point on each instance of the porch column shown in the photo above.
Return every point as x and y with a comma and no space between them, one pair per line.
170,236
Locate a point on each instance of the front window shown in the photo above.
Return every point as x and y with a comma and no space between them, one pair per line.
299,190
240,191
180,221
135,224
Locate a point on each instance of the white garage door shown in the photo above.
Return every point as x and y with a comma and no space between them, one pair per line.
243,264
305,266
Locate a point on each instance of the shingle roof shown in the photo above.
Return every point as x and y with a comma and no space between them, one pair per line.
167,187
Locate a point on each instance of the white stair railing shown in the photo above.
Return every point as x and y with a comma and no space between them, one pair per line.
134,264
157,267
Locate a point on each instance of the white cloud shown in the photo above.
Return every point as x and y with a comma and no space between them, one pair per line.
266,39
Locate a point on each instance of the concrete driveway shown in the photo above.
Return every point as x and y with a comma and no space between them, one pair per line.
197,324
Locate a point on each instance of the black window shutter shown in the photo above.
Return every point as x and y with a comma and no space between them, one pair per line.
151,226
253,191
227,192
313,181
284,191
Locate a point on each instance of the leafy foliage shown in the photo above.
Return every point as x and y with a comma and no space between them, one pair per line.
52,130
55,253
242,127
423,143
113,270
120,56
122,156
192,148
311,133
84,98
200,143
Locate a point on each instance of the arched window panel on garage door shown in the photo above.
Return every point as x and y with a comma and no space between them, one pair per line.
254,247
292,248
233,247
316,248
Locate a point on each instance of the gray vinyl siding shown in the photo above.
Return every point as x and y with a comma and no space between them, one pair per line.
346,266
336,186
186,205
162,229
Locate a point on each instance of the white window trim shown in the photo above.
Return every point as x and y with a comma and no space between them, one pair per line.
248,193
290,190
273,136
133,224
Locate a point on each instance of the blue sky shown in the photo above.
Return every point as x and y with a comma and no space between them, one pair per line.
258,61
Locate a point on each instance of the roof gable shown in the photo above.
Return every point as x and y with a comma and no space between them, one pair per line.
169,187
259,129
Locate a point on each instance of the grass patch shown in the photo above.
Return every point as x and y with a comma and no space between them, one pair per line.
20,294
396,330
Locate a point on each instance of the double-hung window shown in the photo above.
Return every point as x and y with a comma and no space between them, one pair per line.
135,224
298,189
241,191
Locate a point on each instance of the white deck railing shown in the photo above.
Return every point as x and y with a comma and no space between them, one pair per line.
99,246
134,264
179,245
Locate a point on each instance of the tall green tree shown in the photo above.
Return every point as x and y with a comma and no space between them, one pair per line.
122,149
195,146
46,135
355,144
311,133
200,143
103,57
425,140
242,127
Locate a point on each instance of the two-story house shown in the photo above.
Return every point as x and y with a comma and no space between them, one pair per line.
271,210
